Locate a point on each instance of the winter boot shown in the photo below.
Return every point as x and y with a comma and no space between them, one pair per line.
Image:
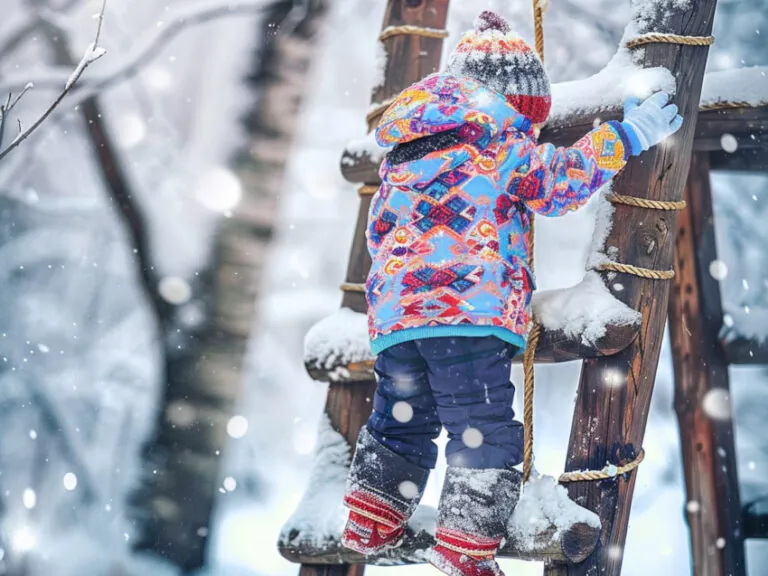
472,520
383,490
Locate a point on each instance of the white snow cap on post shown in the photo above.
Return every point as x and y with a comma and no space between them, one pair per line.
545,503
338,339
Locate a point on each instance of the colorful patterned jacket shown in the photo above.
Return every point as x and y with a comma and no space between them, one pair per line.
448,228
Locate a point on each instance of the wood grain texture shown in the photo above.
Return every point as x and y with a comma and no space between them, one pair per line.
609,421
701,369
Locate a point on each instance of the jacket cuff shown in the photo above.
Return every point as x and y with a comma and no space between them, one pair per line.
632,145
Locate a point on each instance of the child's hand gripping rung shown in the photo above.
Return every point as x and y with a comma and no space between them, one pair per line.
650,122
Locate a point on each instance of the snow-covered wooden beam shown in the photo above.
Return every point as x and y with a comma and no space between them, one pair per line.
547,526
584,321
735,136
552,545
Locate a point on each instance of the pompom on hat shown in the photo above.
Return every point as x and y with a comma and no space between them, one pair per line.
501,60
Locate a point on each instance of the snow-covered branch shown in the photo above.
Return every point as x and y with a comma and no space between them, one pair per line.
93,53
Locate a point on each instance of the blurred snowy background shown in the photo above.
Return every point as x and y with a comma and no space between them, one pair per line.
80,360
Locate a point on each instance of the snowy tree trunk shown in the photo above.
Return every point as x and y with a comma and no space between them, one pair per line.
702,395
609,421
204,378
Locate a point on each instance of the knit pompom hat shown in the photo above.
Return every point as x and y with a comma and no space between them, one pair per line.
501,60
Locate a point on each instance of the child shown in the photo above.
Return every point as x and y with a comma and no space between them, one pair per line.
449,290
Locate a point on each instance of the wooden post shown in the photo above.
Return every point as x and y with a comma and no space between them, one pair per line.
409,59
609,421
701,381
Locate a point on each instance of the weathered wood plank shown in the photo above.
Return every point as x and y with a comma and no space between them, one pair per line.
553,346
551,545
609,420
701,375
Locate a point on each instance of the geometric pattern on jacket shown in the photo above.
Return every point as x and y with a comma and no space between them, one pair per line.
448,231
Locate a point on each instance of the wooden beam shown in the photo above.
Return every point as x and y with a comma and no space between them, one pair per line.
745,351
746,160
552,545
755,519
609,420
553,347
701,378
747,125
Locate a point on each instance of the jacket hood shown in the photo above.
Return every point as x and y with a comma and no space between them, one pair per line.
438,104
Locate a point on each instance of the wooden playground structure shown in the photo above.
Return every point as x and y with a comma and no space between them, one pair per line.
659,268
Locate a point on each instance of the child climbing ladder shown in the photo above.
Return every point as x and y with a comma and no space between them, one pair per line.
449,289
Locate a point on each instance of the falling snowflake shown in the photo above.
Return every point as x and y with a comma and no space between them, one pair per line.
472,438
402,412
718,269
717,404
237,426
29,498
174,290
729,143
613,377
408,489
70,481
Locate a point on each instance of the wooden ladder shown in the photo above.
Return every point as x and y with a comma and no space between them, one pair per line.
617,414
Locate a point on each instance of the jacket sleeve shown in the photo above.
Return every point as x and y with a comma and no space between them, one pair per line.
552,181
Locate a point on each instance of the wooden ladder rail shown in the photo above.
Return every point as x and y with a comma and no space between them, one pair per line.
714,511
409,59
609,421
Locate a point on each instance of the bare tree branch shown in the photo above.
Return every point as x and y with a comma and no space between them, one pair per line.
115,178
92,54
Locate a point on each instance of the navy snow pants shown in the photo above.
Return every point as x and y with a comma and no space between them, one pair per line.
460,383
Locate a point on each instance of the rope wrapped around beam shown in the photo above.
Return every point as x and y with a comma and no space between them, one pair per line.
647,273
409,30
352,287
368,189
604,474
659,38
637,202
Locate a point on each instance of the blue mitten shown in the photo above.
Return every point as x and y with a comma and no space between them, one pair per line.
649,123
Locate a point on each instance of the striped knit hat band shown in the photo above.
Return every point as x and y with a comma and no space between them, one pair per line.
499,59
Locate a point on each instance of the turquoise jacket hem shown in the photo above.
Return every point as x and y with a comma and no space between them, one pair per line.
383,342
